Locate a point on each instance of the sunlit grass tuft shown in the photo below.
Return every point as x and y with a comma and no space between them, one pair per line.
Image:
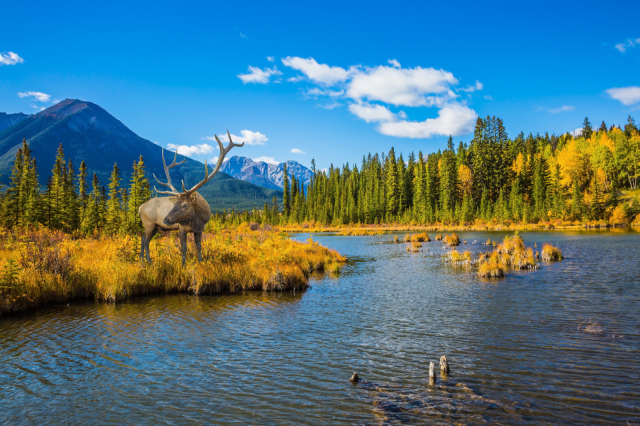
550,252
452,240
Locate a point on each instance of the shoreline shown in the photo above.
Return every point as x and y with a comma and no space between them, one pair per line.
382,229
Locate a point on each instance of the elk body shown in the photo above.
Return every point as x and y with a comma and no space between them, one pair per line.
185,212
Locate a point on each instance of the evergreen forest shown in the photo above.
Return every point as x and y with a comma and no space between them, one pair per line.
525,179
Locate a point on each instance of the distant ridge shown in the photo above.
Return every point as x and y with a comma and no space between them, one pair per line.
88,132
264,174
8,120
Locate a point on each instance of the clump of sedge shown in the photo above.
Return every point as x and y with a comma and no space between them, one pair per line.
550,252
452,240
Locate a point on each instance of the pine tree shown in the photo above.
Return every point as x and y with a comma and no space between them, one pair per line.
139,193
603,127
630,127
113,218
56,191
83,196
587,130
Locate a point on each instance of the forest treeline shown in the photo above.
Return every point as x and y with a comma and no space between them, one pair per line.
70,201
525,179
493,178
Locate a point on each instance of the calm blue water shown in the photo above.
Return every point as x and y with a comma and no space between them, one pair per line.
515,350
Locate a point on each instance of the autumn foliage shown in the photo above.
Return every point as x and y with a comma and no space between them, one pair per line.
46,266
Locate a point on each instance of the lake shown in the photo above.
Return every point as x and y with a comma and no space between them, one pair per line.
516,347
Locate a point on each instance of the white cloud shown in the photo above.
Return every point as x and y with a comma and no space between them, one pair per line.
248,137
488,97
319,92
270,58
214,160
330,105
627,95
38,96
257,75
407,87
563,108
370,92
297,151
372,113
622,47
319,73
577,132
268,160
453,119
471,89
190,150
244,36
10,58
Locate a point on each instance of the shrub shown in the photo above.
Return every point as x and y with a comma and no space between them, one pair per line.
550,252
619,216
452,240
439,237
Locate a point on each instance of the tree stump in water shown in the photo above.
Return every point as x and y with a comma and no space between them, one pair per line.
444,364
432,373
354,378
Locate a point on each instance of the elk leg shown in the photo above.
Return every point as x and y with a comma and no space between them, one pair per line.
142,248
198,237
183,246
147,240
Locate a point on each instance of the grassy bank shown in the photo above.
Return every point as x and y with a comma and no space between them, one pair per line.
41,267
479,225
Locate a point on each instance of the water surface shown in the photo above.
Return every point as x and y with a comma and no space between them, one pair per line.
517,354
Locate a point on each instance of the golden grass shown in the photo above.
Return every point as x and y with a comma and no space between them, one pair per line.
477,225
52,267
457,257
420,238
414,247
451,240
439,237
510,254
550,252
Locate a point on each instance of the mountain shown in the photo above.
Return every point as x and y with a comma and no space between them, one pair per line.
264,174
8,120
89,133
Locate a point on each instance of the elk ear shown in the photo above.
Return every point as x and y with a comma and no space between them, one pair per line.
194,197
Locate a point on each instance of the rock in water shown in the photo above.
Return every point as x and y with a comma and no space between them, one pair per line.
354,378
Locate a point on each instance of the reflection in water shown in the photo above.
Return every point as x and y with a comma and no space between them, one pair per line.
516,351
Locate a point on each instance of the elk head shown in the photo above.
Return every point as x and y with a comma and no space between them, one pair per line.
185,208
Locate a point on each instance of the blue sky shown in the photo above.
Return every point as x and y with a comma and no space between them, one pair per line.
329,80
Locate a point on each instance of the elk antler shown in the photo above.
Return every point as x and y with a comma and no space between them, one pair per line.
207,177
173,191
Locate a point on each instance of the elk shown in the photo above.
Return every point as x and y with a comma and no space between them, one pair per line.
185,211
